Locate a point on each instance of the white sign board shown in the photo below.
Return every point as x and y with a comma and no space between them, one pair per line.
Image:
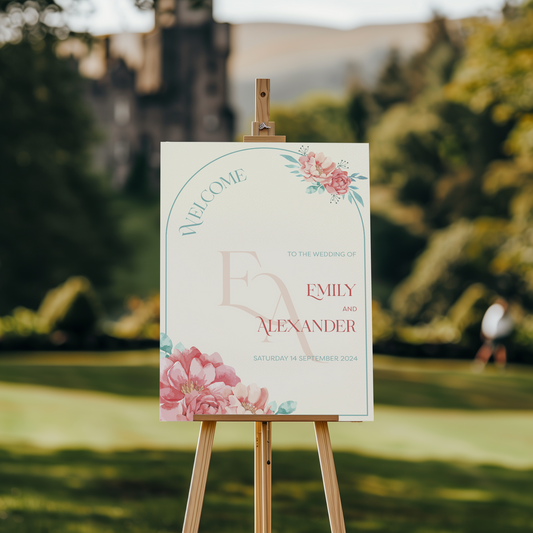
265,280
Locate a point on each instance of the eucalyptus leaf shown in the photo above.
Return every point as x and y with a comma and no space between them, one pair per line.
358,198
286,408
165,344
311,189
289,158
293,166
273,406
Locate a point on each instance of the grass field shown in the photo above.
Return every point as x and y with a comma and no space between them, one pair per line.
81,450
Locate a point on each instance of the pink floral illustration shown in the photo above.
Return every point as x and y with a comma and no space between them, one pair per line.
324,175
340,182
248,400
194,383
209,401
317,167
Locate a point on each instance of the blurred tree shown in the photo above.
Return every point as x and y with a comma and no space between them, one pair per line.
497,75
434,66
402,80
315,119
362,112
435,152
393,85
470,148
55,216
32,20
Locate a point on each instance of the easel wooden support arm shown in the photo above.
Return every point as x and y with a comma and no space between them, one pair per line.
263,130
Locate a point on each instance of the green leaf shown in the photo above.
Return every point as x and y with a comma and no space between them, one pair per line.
295,172
321,190
311,189
290,158
350,198
286,408
273,406
354,188
293,166
165,344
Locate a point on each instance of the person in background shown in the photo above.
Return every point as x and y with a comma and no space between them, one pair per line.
496,326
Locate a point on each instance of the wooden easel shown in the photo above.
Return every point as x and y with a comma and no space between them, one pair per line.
263,423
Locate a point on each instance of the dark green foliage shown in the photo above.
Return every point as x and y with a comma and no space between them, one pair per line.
438,155
393,85
394,249
362,112
55,217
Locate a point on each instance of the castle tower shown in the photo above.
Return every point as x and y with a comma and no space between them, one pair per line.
167,85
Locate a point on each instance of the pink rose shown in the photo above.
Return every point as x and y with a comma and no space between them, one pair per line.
193,382
248,400
316,168
339,182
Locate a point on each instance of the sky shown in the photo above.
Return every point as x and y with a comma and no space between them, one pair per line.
115,16
347,14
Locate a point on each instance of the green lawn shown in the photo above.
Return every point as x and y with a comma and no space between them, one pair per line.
81,450
398,382
145,491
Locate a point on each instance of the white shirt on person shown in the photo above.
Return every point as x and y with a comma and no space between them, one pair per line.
496,323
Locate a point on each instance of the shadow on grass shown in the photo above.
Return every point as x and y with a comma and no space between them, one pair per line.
146,491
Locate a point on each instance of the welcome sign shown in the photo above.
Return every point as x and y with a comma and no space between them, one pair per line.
265,280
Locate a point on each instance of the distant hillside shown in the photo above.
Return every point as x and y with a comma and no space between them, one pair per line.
303,59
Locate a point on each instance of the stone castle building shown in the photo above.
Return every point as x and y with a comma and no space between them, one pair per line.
167,85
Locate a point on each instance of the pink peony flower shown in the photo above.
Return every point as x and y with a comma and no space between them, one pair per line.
207,402
317,168
248,400
192,382
339,182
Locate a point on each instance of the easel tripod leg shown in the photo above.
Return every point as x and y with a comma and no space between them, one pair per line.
199,477
329,477
258,479
263,477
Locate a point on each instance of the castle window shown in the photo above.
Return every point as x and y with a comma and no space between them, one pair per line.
122,112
